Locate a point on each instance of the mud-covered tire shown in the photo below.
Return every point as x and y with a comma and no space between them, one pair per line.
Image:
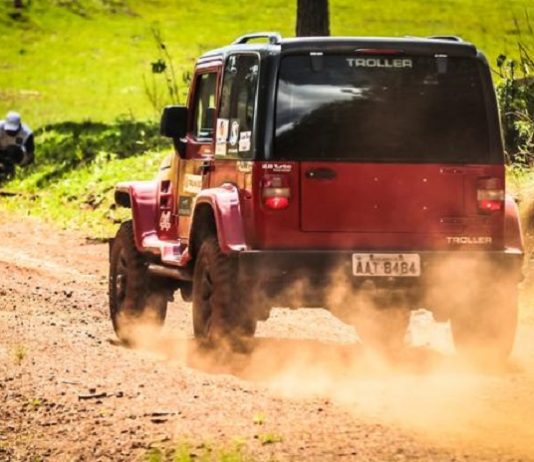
136,301
218,310
484,332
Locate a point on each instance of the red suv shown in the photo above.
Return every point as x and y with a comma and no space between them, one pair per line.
362,175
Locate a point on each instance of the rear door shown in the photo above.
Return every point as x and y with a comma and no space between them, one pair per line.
350,197
384,142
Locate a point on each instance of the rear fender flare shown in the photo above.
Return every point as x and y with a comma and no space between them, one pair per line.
513,235
141,197
226,209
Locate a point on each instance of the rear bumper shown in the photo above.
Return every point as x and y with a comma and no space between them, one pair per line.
276,271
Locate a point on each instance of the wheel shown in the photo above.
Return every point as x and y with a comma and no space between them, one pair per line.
484,332
137,302
218,312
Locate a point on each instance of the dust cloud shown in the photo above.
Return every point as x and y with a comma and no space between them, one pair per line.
424,386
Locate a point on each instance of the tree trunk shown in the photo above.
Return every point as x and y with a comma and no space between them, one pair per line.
312,18
18,4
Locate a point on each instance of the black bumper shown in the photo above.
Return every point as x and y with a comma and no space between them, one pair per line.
275,271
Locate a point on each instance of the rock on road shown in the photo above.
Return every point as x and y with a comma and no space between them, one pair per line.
307,391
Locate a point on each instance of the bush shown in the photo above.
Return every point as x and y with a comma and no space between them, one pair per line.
516,100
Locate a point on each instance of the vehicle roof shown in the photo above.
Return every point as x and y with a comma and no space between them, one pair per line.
451,46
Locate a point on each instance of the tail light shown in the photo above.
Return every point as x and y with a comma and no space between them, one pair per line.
275,192
490,195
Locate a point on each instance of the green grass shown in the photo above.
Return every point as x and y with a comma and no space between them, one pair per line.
77,167
201,453
83,200
19,354
75,69
88,62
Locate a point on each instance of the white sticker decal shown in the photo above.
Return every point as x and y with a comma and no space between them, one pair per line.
165,221
234,133
244,166
222,130
281,168
244,141
192,183
220,148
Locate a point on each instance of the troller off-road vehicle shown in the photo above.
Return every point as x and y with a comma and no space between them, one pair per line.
362,175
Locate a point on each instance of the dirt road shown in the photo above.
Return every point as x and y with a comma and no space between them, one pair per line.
308,391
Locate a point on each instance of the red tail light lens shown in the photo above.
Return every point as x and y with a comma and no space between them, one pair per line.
276,192
276,203
490,195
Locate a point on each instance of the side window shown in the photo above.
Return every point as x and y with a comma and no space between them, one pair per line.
238,100
204,109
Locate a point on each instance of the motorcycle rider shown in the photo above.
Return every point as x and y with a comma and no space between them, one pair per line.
16,140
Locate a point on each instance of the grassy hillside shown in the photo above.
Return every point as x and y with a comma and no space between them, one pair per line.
76,70
77,59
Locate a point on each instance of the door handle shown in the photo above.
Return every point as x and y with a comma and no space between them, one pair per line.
320,174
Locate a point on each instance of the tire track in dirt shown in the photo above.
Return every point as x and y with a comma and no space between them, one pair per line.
306,382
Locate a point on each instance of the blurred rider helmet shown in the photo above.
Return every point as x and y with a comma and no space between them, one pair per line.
12,123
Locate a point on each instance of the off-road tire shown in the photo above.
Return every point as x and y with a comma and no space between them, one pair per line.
136,300
484,332
218,309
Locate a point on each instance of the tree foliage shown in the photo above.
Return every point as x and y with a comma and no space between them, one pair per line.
516,100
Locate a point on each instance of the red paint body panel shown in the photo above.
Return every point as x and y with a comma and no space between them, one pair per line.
380,198
143,199
340,213
225,203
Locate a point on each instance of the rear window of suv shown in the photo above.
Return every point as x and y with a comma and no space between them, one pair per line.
387,108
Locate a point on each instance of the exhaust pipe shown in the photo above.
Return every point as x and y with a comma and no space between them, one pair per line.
180,274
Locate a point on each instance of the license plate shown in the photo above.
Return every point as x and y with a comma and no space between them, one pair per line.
386,264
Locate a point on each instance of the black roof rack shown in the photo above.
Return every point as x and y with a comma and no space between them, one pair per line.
274,37
452,38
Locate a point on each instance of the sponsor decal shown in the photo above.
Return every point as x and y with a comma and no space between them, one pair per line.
387,63
165,221
184,205
222,130
234,133
192,183
469,240
220,148
279,168
244,141
244,166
